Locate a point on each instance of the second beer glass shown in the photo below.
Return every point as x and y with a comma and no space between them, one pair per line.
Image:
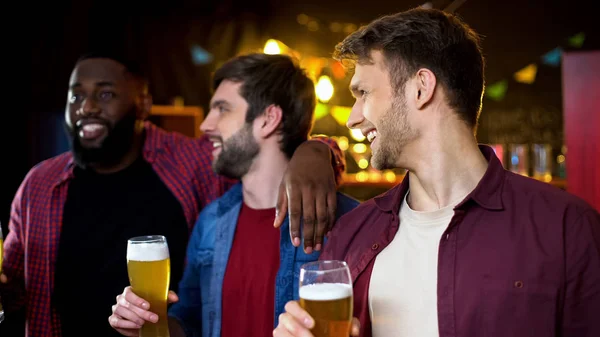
326,294
149,268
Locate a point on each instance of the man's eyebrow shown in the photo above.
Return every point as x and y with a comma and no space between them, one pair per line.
219,102
99,83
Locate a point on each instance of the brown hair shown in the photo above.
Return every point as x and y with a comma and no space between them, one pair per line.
427,38
274,79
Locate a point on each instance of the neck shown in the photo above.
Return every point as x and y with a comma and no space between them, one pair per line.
129,158
449,166
261,183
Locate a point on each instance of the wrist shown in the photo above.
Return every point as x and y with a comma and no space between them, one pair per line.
334,155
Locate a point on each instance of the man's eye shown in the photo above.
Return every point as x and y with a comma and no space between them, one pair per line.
106,95
75,98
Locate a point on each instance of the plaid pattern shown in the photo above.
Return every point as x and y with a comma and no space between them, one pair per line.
31,246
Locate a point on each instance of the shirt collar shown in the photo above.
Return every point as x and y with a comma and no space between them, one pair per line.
487,193
391,200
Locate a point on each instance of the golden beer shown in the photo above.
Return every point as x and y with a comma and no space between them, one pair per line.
331,306
149,268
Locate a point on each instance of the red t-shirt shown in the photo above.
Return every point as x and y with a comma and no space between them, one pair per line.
249,282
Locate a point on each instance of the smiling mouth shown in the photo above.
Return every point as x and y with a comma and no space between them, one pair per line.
371,135
90,130
217,142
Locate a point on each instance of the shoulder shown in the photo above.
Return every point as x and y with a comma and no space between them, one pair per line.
345,204
541,197
359,214
357,223
207,219
49,171
177,144
172,139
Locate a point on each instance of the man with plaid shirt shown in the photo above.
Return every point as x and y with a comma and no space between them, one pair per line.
72,215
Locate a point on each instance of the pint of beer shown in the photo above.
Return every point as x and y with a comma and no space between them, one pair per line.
149,269
326,294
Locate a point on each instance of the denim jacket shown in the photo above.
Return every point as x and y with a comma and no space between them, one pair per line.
201,288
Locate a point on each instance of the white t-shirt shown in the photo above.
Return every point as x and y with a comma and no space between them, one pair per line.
403,288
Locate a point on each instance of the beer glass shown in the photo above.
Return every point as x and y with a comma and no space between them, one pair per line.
326,294
149,268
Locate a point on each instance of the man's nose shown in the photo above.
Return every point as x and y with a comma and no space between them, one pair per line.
356,117
89,107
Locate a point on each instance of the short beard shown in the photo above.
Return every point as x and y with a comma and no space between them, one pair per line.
115,146
237,154
394,134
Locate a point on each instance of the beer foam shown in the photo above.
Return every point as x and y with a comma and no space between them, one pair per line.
325,291
148,252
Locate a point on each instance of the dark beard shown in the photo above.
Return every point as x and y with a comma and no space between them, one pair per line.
237,154
114,147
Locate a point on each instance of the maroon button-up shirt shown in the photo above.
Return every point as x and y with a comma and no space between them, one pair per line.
519,258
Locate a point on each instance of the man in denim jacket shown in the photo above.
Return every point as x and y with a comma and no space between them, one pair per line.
261,111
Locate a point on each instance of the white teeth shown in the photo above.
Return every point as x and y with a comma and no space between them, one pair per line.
92,127
371,135
217,144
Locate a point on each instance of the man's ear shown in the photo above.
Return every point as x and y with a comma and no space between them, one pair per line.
270,120
426,84
145,105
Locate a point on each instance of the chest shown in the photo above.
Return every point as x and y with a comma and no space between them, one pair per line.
100,213
494,274
136,202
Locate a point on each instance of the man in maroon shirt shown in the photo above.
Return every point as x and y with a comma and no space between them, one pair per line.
462,247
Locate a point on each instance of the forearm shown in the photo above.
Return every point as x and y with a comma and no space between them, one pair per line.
338,160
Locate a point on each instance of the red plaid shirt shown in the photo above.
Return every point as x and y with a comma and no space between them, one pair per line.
30,249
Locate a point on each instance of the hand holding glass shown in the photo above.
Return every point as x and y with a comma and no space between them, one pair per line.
326,294
149,268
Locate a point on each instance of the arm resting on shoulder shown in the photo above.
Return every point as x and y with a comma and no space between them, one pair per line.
338,160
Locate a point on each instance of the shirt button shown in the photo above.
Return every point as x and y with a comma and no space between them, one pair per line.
375,246
447,236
